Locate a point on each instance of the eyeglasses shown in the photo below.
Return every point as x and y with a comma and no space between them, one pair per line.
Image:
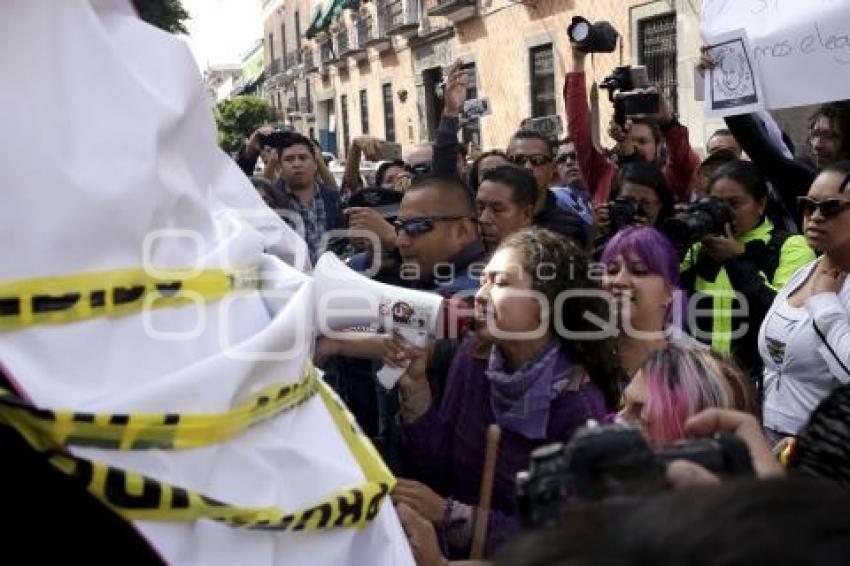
829,208
419,225
535,160
566,158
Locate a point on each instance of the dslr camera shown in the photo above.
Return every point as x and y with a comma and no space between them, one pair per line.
622,212
707,216
621,85
610,463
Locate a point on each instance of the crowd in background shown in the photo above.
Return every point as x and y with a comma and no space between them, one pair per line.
743,328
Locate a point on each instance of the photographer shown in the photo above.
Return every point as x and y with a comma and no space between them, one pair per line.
828,142
642,198
537,389
737,270
248,154
638,139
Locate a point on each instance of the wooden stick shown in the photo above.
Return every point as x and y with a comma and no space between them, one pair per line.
479,537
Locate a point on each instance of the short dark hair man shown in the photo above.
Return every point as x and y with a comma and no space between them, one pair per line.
298,190
505,203
533,152
438,235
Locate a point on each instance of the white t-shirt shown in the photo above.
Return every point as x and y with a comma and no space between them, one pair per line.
800,368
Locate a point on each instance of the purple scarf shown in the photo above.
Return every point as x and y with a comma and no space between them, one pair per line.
521,400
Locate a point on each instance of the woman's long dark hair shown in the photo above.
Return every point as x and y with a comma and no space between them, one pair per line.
746,174
566,268
641,173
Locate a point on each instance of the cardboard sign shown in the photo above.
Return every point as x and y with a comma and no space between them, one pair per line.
801,48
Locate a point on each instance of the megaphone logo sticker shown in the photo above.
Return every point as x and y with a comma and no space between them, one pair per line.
402,312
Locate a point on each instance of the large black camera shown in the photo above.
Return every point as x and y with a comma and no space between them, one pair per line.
622,212
599,37
621,84
707,216
613,462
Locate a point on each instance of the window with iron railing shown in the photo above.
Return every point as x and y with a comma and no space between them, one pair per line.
402,12
364,31
327,52
342,41
383,23
298,36
389,113
291,60
657,51
308,60
364,112
542,81
343,103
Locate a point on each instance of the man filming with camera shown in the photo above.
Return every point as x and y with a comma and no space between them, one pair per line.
644,126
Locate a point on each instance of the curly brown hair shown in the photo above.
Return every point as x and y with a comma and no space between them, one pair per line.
566,268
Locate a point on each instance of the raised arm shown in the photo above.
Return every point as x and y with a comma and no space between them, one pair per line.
595,168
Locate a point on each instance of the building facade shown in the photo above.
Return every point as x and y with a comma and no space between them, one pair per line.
336,69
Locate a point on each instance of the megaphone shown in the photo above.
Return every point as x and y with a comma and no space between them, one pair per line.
346,300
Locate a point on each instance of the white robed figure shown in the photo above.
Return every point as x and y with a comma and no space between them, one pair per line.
112,181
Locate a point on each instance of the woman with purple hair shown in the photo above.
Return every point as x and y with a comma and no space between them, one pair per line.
642,275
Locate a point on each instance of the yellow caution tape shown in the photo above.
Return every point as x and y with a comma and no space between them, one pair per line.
60,300
138,497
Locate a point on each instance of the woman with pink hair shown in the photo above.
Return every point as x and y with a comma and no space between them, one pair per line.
675,383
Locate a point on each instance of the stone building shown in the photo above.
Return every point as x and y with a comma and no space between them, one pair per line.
336,69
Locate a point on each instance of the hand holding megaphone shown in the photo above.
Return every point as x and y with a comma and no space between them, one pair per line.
346,300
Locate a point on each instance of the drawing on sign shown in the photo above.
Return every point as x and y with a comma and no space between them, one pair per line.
732,80
732,86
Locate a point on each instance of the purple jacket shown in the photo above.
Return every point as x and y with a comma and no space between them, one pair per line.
445,446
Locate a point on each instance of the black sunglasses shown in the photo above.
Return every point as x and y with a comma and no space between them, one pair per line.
829,208
535,160
565,157
419,225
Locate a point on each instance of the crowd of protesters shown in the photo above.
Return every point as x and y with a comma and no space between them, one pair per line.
567,310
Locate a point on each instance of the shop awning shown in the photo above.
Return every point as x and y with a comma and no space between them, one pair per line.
327,13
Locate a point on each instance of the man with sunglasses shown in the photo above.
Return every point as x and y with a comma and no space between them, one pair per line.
438,237
531,151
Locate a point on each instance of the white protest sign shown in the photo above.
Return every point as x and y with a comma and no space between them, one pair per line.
801,47
732,86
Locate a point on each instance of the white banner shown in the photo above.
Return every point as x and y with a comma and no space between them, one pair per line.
802,47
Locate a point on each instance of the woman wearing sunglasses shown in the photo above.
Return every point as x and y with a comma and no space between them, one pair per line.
533,375
805,337
733,277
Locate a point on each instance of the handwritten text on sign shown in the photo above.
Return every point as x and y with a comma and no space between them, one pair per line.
802,47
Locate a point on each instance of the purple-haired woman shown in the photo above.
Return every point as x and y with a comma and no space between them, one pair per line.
642,274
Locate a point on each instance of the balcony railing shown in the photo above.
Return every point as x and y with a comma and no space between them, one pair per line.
292,60
364,31
273,68
306,105
342,38
379,38
309,60
403,16
455,10
327,52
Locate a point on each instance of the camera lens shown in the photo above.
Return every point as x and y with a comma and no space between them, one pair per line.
580,31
